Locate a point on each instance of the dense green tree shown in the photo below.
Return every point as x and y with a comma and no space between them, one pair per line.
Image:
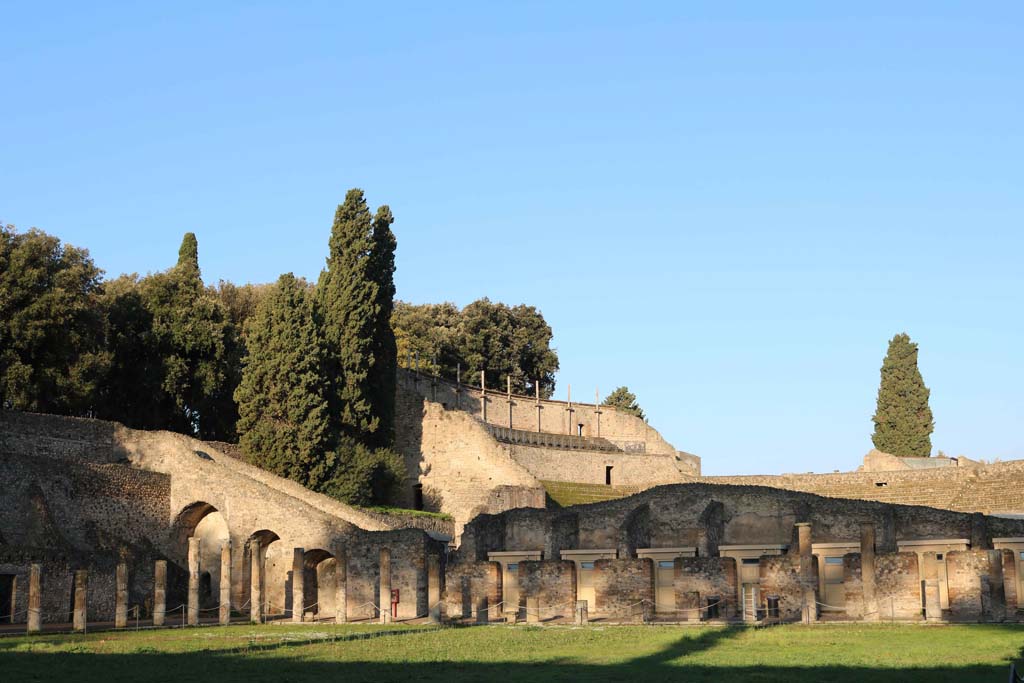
502,341
191,329
903,420
51,325
383,371
282,398
625,400
366,476
131,390
346,306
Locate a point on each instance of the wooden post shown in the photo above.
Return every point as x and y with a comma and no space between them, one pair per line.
121,595
159,592
80,617
35,598
299,583
569,408
225,583
255,582
536,391
509,386
193,581
341,588
385,585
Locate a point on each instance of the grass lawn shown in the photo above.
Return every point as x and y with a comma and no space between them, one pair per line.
491,653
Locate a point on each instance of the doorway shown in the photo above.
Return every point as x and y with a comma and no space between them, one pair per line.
607,475
7,598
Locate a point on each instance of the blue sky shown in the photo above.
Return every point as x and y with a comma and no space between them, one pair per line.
730,209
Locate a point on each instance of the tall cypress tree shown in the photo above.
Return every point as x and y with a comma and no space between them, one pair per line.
346,311
383,373
282,398
903,420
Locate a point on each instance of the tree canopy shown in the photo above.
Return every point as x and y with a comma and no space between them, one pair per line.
625,400
503,341
903,419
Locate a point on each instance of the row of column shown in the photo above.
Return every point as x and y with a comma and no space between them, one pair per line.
386,609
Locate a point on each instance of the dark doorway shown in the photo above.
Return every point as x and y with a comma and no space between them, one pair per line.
417,497
608,475
6,598
579,429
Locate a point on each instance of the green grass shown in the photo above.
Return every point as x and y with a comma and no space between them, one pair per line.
294,654
566,493
406,512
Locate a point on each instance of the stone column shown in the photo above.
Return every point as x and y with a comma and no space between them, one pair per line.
434,588
385,585
690,605
80,616
932,606
255,582
159,592
533,610
35,598
810,597
582,618
225,583
867,568
121,595
481,610
341,589
298,583
193,581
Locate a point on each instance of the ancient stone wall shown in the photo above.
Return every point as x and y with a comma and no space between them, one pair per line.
552,583
590,467
708,577
466,583
623,589
898,586
975,579
780,577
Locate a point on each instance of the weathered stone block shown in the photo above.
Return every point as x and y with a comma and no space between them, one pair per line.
623,589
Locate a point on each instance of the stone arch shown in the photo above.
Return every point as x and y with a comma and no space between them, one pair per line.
320,583
274,572
203,521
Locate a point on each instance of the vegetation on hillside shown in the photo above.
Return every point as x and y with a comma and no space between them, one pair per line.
625,400
903,419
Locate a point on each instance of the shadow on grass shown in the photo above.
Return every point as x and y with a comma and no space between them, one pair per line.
279,662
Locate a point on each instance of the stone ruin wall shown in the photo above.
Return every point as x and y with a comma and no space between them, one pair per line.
80,494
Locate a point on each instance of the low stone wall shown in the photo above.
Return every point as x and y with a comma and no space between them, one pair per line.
552,583
780,577
898,586
466,583
707,577
975,579
623,589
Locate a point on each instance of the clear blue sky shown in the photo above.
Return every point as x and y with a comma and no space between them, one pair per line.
730,209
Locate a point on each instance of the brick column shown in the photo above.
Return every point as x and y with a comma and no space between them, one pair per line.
434,588
35,598
385,585
193,581
810,596
121,595
298,583
867,568
341,588
255,582
533,610
582,618
159,592
481,609
80,615
225,583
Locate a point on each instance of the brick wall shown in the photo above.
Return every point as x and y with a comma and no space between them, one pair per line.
975,579
553,583
898,586
707,576
620,586
780,576
466,582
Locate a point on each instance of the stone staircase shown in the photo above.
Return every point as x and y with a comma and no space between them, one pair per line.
565,494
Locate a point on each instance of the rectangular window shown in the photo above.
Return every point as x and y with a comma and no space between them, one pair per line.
938,556
1022,555
586,565
833,560
667,564
751,560
513,567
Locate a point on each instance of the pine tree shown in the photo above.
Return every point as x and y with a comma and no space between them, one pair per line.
903,420
383,373
625,400
282,398
346,312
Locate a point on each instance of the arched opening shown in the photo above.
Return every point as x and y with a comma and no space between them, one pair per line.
203,521
320,584
274,571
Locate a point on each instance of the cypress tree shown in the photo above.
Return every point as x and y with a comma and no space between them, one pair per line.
383,373
282,402
346,311
903,420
